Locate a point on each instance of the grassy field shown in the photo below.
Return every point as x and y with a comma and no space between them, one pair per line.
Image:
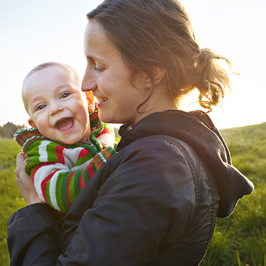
9,196
239,240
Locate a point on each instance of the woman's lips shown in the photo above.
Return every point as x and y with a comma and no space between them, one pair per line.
101,100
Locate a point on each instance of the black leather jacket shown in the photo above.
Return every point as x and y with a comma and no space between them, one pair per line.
153,203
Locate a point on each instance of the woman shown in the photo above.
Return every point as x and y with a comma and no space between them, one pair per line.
156,201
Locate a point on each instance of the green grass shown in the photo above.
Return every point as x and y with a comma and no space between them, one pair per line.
9,195
238,240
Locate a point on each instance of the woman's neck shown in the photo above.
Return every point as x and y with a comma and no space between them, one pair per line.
157,103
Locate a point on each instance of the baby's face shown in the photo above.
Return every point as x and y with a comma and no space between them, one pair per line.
56,105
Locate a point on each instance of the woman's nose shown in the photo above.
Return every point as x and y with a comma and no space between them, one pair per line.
55,107
88,82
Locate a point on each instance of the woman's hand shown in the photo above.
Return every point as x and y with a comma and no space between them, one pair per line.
23,181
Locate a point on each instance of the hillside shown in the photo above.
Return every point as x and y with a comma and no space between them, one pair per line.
247,146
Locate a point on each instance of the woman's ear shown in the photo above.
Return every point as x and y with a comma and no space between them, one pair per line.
31,122
158,75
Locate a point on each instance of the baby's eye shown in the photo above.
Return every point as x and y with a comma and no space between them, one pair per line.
40,107
64,95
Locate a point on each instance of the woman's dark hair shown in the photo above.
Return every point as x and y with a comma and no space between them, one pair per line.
158,33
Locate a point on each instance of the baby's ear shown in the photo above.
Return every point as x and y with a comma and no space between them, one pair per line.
31,122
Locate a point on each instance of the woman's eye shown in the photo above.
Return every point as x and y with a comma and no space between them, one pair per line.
40,107
64,95
98,68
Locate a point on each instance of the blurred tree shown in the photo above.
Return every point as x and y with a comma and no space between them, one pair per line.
8,130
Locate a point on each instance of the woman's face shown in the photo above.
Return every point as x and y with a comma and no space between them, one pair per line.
109,79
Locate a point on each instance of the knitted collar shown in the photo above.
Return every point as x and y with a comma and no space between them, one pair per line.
198,131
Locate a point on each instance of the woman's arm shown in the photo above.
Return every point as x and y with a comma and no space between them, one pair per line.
32,232
32,236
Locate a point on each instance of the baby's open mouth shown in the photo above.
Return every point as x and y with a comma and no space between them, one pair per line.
65,124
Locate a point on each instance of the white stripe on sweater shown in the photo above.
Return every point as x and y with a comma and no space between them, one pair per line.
71,156
40,176
102,157
52,189
42,151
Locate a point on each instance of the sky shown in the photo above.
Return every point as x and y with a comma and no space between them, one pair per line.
37,31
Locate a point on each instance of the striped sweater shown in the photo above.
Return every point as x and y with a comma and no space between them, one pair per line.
59,171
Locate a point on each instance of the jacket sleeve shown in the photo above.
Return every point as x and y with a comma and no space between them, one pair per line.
32,236
140,201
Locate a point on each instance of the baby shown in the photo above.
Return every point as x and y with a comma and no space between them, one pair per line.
65,146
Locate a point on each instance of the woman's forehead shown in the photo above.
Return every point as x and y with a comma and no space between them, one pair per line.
96,43
94,31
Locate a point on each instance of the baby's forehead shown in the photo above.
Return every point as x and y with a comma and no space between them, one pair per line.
54,67
43,76
50,70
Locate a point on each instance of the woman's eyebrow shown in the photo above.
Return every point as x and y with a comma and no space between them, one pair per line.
94,58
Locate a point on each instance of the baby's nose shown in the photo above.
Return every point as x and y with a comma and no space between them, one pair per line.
55,107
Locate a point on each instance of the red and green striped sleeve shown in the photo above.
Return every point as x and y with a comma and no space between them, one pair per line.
61,187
